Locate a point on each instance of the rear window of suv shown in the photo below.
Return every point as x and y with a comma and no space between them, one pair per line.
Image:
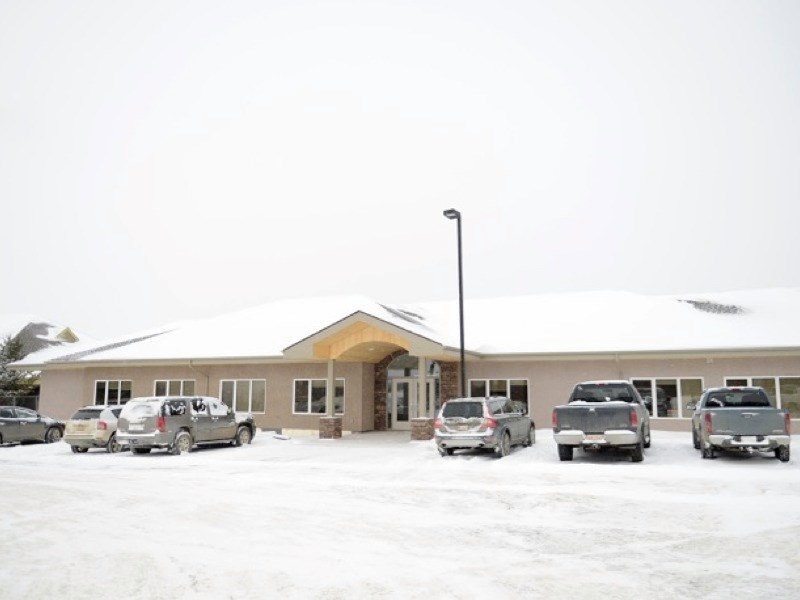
86,414
466,410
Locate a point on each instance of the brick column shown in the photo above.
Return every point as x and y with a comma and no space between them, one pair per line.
449,377
381,377
330,428
421,429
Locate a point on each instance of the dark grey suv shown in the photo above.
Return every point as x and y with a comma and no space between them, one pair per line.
178,423
494,424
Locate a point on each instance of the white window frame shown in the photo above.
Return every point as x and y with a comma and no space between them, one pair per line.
678,391
250,399
508,381
182,382
119,383
308,413
776,379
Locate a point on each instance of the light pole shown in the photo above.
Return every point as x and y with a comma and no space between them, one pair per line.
452,213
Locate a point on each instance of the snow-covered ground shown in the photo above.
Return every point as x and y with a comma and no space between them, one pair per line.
377,516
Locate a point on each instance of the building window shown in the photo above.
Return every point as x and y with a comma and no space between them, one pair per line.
673,396
515,389
111,392
783,391
244,395
309,397
173,387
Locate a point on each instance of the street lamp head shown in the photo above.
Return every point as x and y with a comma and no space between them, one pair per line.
452,213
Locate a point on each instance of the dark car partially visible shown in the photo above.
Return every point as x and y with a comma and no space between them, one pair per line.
18,424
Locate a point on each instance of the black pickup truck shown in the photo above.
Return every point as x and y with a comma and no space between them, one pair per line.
602,414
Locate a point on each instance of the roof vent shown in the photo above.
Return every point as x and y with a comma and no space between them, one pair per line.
716,308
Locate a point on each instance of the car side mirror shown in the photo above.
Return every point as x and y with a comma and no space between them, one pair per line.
691,405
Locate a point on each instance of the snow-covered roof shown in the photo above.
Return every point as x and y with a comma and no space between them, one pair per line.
570,323
34,332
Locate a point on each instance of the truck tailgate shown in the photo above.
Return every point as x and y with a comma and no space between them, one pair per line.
747,421
594,418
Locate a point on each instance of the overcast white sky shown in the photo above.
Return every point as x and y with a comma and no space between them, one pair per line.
170,160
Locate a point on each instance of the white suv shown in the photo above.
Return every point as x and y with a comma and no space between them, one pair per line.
93,427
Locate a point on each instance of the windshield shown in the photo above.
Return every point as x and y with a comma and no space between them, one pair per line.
466,410
602,392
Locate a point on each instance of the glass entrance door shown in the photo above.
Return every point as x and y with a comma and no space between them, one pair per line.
403,404
402,401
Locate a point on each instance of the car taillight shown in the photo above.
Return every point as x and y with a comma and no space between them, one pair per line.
708,424
555,420
102,425
489,423
787,419
437,424
634,418
161,424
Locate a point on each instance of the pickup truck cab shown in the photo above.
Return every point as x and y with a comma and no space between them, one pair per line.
600,415
740,419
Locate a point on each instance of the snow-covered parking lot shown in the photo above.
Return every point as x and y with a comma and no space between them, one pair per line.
377,516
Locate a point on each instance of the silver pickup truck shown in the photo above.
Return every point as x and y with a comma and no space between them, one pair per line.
741,419
600,415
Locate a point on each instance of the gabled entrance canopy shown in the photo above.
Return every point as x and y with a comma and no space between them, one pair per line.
363,338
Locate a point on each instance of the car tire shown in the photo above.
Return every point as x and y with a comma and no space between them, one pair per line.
564,452
647,438
446,451
637,454
141,450
708,452
243,436
695,439
113,446
782,453
504,447
52,435
79,449
530,440
182,443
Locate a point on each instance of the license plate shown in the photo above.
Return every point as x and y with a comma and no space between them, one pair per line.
136,427
461,427
595,437
749,439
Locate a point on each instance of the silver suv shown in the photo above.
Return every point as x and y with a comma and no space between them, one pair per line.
494,423
177,423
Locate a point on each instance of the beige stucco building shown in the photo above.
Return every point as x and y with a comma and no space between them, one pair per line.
387,365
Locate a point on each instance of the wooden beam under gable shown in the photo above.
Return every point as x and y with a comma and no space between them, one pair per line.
354,341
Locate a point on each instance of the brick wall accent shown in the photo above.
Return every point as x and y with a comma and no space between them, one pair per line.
330,428
421,429
450,375
381,377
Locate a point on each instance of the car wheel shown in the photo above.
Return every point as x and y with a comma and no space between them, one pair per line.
564,452
79,449
504,447
446,451
182,443
53,435
113,446
243,436
708,452
530,440
141,450
782,453
647,439
695,439
637,454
